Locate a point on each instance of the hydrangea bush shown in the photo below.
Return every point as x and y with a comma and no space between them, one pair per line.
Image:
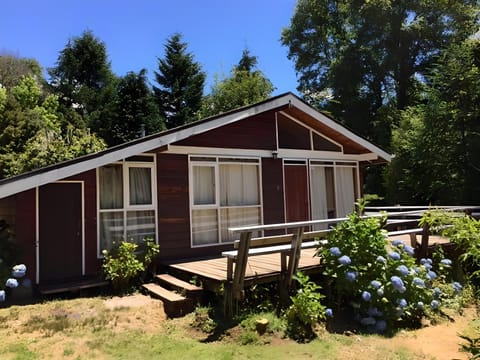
382,281
18,272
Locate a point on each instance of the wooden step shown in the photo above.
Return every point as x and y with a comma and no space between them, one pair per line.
177,284
174,305
162,293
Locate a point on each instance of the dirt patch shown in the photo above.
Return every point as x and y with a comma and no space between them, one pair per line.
135,300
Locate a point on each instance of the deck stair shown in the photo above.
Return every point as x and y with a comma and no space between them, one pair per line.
179,297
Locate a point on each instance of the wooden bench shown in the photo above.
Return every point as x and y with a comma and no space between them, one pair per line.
288,246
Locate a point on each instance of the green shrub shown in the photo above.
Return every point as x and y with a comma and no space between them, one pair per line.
124,264
380,280
305,311
462,230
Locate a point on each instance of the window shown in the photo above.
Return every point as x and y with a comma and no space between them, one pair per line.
332,190
225,193
126,202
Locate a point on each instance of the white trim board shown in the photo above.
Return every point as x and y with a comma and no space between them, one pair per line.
26,182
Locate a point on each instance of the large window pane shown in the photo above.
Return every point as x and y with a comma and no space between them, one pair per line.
345,191
140,225
204,227
236,217
111,229
203,185
140,180
239,185
318,193
111,187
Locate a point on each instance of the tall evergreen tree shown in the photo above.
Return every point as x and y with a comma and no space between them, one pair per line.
246,85
136,109
180,83
84,81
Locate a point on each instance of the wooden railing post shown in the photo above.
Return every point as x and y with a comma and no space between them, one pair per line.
422,253
241,264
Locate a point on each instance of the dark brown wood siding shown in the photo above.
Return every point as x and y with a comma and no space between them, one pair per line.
173,205
292,135
272,187
92,263
25,231
256,132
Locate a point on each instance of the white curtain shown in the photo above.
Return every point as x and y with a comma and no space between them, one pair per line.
204,227
111,187
239,185
111,229
318,193
344,186
140,183
203,185
140,225
236,217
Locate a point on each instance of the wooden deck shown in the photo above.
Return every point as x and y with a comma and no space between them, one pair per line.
261,268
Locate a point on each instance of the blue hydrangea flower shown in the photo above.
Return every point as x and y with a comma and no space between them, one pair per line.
420,305
446,262
409,250
11,283
380,292
328,312
381,326
376,284
431,275
368,321
366,296
335,251
457,286
429,261
434,304
418,282
351,276
397,243
394,255
373,311
423,261
2,295
437,292
344,260
19,271
402,303
403,270
418,270
428,266
381,259
398,284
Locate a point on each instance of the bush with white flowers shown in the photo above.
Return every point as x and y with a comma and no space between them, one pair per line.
18,273
380,280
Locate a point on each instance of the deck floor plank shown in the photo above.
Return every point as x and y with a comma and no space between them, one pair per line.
261,265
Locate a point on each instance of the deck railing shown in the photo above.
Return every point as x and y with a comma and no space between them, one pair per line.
399,221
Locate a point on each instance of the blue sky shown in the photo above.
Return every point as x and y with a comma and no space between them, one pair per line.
135,32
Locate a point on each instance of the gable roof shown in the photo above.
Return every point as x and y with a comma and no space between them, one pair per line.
288,101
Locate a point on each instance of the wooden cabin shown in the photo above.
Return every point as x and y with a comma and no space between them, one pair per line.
276,161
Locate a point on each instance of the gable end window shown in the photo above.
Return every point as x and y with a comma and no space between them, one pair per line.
126,203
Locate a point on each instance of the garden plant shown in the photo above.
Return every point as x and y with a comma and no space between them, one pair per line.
127,262
381,281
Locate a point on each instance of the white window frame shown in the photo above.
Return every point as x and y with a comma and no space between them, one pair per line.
126,166
216,163
335,164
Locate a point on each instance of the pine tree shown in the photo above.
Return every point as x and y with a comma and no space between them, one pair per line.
181,81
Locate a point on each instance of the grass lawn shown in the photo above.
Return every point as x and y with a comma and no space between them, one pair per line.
136,328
